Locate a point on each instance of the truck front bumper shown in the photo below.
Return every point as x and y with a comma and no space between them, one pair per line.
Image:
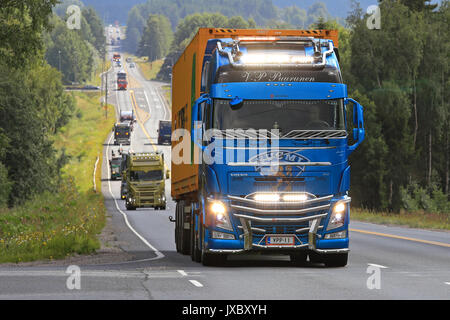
237,246
307,226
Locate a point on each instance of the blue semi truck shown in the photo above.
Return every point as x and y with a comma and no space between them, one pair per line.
260,146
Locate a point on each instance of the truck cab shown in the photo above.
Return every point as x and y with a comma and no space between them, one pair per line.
145,181
122,133
123,169
128,117
164,132
114,165
122,82
270,114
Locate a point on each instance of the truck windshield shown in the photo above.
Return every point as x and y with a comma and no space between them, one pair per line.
146,176
122,131
116,162
285,115
165,128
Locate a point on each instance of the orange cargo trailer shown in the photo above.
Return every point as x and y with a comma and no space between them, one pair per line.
186,83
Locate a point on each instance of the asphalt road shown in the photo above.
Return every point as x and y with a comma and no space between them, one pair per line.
410,263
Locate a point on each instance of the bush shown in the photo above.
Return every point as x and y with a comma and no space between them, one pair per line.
432,200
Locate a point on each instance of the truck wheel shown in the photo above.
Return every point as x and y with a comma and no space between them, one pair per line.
162,208
210,259
213,259
314,257
298,258
195,251
177,227
129,206
336,260
185,234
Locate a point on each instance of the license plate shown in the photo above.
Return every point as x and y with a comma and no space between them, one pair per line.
280,240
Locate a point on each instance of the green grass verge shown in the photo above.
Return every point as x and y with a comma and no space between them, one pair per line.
150,69
437,221
167,91
59,224
96,77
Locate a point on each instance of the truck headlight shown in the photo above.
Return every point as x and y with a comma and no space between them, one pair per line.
337,217
221,218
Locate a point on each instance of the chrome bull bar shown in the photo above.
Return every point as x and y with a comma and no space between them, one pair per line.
285,209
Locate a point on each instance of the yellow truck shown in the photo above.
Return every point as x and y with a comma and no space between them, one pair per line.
145,181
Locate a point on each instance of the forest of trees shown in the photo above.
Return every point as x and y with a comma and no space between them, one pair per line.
33,104
76,52
401,72
261,12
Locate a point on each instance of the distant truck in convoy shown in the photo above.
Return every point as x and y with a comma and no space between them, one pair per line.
122,82
116,57
145,181
123,168
128,116
280,177
115,164
164,132
122,133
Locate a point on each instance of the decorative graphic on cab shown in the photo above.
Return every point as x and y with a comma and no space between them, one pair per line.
271,163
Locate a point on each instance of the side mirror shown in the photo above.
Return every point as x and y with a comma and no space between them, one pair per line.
167,174
196,120
358,123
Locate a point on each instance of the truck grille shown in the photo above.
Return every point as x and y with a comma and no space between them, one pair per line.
281,218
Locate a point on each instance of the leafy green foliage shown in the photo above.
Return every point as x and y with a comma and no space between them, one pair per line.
188,27
22,24
96,28
403,70
257,11
68,49
157,37
33,101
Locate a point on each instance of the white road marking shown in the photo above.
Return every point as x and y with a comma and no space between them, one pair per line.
146,98
163,101
196,283
447,283
378,266
184,274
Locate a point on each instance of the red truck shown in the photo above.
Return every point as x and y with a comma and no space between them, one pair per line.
122,80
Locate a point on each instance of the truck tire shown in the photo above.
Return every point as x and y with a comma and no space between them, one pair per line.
298,258
128,206
185,235
195,251
336,260
211,259
177,227
314,257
